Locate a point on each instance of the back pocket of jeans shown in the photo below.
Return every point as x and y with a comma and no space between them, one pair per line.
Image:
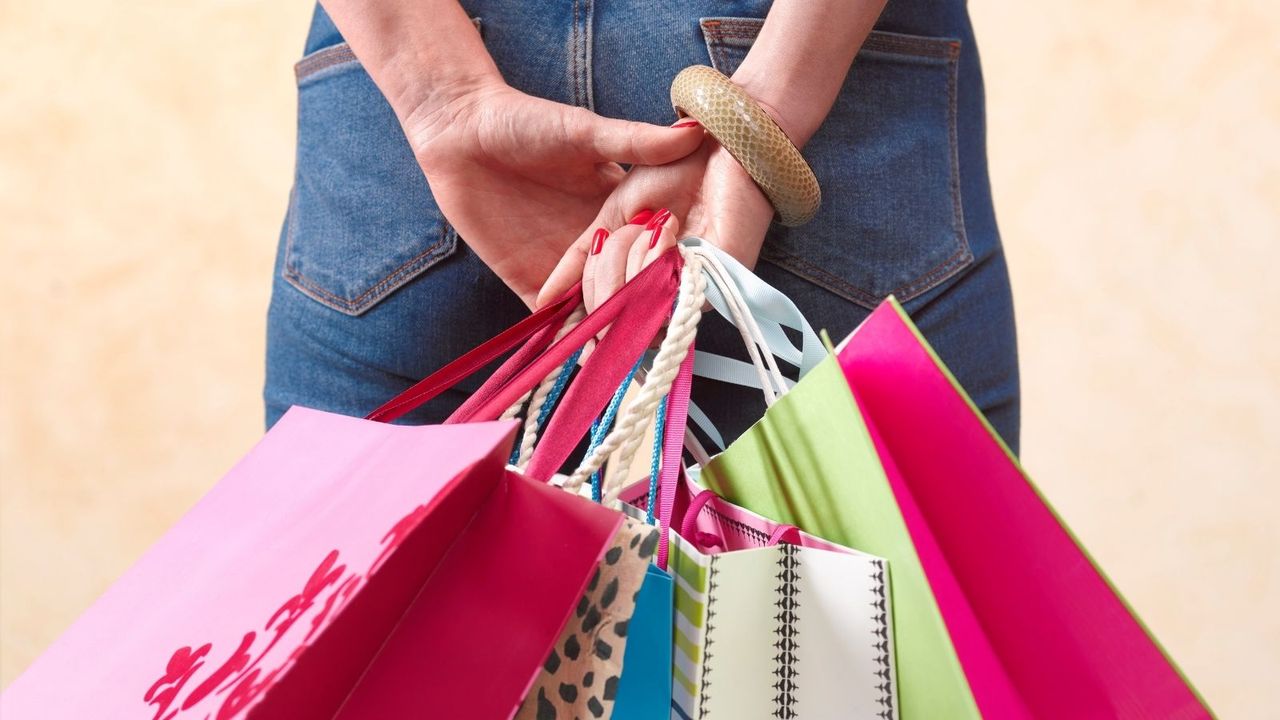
362,221
891,220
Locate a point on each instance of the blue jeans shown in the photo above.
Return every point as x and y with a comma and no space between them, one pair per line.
374,290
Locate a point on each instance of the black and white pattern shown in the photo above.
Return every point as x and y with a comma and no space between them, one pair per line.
786,632
884,662
708,638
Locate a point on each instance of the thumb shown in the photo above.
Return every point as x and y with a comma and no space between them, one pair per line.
636,143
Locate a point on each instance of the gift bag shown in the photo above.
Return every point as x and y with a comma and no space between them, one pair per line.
644,691
770,622
776,623
1039,630
985,608
581,674
336,571
354,569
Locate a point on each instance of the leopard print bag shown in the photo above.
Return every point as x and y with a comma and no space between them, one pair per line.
580,677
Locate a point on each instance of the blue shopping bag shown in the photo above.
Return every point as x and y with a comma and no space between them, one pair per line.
644,691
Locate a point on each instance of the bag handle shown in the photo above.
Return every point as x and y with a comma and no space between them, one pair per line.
789,534
530,331
637,311
633,315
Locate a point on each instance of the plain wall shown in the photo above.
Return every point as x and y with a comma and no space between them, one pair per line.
145,160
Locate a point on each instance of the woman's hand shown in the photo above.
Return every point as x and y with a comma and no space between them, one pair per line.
519,177
709,192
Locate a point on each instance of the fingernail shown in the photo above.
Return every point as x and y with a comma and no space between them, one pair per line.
641,217
686,124
597,242
655,226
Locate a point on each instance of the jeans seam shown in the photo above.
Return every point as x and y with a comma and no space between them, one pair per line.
877,41
712,28
390,282
337,54
588,33
323,59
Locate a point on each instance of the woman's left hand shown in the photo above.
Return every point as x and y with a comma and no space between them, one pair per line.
707,192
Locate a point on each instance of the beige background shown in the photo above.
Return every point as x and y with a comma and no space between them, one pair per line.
145,157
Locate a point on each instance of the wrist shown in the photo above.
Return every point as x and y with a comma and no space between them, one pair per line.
421,86
782,99
435,105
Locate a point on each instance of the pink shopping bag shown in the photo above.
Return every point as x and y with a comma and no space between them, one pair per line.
336,563
1038,629
353,569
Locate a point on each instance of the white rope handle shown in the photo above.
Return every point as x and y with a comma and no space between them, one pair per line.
627,434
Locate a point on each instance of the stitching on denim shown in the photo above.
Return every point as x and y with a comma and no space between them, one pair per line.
953,122
573,55
340,54
715,46
877,41
321,59
918,45
392,281
588,31
838,285
382,288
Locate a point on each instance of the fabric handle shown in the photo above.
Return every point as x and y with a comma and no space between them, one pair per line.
636,311
634,315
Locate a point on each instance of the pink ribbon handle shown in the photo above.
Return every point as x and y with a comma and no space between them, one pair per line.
672,452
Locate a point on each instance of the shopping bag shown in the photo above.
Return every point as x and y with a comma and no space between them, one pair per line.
581,674
801,629
587,669
343,568
354,569
644,691
772,622
810,462
1039,629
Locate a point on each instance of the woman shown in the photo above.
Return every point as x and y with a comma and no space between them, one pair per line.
507,124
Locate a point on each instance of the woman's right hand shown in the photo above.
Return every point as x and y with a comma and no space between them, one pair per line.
519,177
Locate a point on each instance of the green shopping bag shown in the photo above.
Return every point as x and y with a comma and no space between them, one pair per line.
777,469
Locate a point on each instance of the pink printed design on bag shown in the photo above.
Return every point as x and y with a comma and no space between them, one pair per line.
245,686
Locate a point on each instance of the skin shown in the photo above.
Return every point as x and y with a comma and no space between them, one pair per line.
528,182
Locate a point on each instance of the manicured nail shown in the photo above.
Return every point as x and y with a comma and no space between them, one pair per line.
597,242
641,217
655,226
687,124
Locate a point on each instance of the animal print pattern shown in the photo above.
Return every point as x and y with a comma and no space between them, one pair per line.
579,679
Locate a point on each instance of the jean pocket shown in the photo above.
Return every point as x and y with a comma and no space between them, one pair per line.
361,221
891,220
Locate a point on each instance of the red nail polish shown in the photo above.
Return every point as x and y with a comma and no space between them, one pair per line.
597,242
687,124
655,225
641,217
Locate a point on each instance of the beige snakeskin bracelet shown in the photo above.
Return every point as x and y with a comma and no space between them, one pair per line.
752,137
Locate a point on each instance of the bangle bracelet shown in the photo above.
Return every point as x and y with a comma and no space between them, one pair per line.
752,137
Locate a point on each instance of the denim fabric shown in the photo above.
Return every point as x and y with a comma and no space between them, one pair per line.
373,289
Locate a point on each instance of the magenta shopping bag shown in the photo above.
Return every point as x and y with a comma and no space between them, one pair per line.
1038,629
352,569
342,564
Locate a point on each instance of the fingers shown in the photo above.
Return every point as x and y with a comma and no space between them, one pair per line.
567,272
606,268
633,143
613,259
572,266
659,235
